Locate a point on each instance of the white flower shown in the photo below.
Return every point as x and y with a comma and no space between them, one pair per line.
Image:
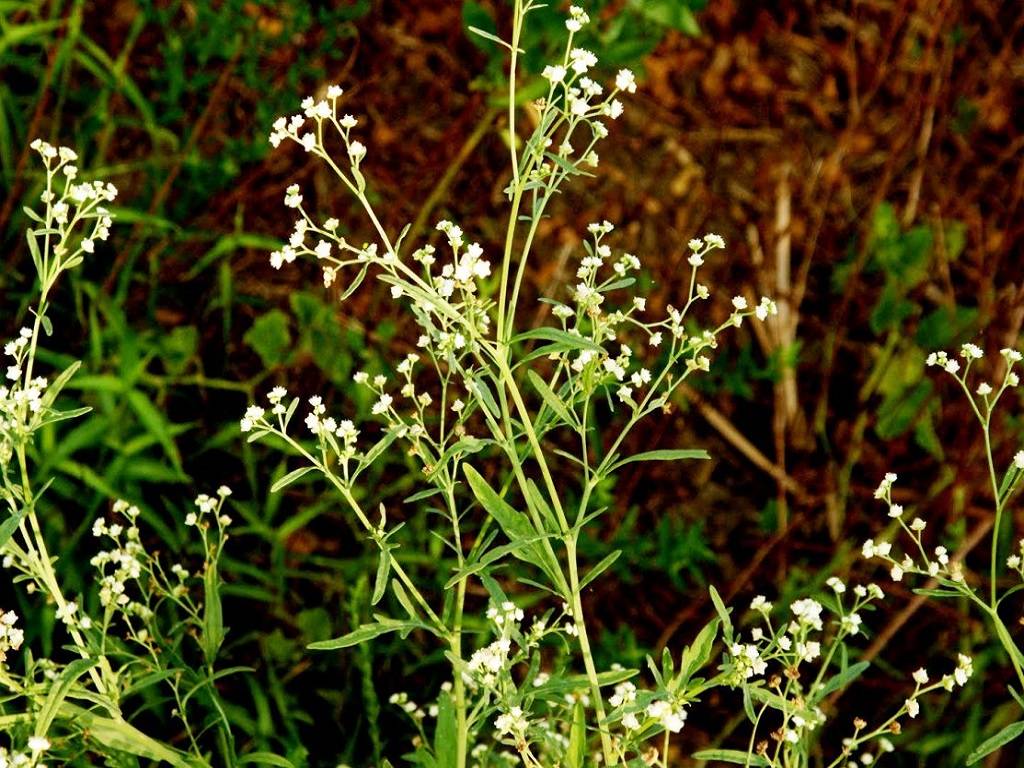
921,676
334,91
38,744
836,584
759,603
984,389
739,303
896,510
913,708
1018,460
808,611
555,74
971,352
356,152
625,81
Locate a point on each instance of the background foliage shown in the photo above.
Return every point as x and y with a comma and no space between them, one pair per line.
862,162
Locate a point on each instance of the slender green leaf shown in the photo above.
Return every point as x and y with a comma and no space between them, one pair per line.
59,691
598,569
723,612
731,756
364,633
119,735
577,752
381,583
570,340
667,454
841,680
988,746
446,733
213,617
290,478
551,399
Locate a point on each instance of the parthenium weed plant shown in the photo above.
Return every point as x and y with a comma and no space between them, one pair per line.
144,626
481,389
492,414
952,579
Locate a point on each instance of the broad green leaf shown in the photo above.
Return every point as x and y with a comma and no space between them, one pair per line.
516,525
381,583
1005,736
270,338
446,733
9,526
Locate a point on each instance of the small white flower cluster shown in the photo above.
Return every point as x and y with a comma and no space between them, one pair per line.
595,366
125,562
320,111
970,353
36,746
65,211
21,402
574,101
507,612
1015,562
411,708
959,677
513,723
210,507
937,565
11,637
793,646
